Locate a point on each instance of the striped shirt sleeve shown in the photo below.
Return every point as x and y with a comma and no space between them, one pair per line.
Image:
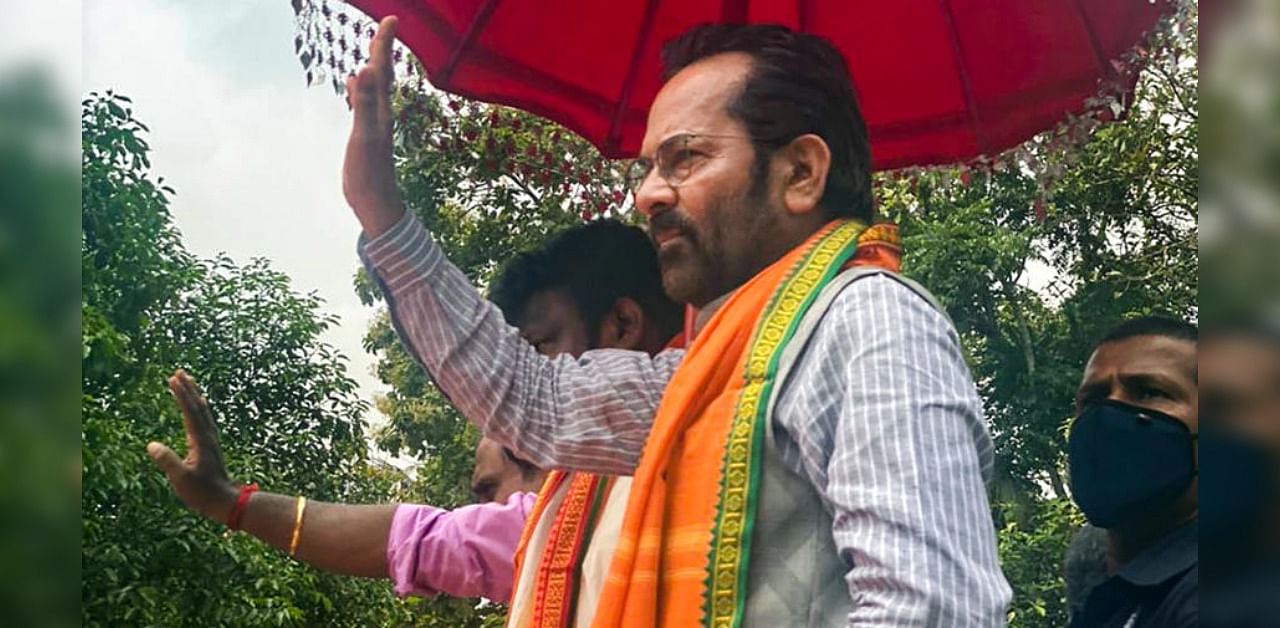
592,413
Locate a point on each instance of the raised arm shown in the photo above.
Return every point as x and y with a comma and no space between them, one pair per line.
592,413
368,170
340,538
466,552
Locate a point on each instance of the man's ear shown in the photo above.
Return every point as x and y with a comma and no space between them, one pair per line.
622,327
802,166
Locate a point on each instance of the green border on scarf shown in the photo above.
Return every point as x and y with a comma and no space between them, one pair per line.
725,587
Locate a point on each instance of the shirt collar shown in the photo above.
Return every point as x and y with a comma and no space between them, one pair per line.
1173,554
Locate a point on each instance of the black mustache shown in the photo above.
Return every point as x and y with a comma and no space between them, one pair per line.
669,221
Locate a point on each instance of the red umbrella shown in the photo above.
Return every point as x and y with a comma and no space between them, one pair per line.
939,81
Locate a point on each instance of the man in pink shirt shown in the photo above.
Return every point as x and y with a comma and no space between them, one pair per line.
499,473
593,286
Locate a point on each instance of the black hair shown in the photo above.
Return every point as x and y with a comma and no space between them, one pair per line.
596,263
1154,325
799,83
527,470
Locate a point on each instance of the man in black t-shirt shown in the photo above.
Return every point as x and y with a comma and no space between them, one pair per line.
1132,455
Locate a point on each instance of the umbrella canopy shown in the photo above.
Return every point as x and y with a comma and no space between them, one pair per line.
939,81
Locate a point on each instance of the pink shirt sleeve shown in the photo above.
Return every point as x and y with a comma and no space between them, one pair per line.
467,552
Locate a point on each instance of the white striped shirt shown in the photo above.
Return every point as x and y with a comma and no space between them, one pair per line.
880,414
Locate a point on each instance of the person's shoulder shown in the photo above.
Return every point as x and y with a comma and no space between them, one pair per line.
1181,606
871,314
880,299
885,286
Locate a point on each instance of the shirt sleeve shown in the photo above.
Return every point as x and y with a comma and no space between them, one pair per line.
592,413
904,466
467,552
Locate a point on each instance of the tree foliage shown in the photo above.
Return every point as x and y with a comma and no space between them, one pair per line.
290,418
39,338
1036,255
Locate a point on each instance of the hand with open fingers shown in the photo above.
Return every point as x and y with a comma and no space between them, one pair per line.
368,171
200,479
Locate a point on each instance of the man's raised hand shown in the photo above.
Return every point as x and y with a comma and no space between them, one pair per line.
200,479
368,172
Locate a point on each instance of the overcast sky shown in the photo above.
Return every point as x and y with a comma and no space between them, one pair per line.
254,155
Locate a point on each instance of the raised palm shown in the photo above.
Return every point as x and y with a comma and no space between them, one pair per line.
200,479
368,171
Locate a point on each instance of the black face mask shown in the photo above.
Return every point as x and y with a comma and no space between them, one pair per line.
1127,462
1240,487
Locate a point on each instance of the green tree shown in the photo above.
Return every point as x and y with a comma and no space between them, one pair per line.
39,338
1035,253
290,418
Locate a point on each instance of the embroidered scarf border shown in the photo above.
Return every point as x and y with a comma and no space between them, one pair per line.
725,596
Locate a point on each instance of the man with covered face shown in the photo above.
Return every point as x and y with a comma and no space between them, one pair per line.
1133,464
817,456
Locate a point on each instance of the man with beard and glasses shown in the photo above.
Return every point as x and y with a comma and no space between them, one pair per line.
818,454
1133,467
592,286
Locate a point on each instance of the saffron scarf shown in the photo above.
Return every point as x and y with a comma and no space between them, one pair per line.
558,570
682,555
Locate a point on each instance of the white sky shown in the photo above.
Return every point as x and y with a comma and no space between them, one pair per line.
254,155
29,36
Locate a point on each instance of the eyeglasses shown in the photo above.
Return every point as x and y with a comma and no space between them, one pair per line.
674,160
